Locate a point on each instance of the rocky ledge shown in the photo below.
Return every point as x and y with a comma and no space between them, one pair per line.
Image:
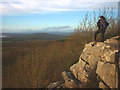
98,67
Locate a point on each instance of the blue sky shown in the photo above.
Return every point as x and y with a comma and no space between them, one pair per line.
47,15
41,21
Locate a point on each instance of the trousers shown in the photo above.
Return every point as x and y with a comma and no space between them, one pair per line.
99,31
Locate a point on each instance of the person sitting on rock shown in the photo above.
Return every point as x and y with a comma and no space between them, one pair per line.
102,25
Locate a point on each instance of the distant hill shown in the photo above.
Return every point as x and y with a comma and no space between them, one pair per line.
33,36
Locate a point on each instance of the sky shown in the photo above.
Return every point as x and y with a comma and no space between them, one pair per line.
47,15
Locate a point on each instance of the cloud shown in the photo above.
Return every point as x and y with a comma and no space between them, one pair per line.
45,6
55,28
59,28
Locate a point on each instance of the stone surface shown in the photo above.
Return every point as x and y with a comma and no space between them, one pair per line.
70,80
95,61
79,71
106,71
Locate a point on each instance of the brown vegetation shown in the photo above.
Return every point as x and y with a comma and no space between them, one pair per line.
36,64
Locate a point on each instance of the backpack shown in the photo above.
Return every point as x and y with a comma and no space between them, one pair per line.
103,24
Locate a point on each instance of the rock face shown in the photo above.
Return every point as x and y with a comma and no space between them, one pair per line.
98,66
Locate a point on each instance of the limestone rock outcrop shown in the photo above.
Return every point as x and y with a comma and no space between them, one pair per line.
98,66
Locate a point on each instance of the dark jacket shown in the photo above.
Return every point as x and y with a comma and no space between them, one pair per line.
102,24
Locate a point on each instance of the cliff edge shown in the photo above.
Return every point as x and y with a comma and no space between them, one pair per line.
98,67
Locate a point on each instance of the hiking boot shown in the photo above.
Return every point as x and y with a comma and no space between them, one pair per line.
94,43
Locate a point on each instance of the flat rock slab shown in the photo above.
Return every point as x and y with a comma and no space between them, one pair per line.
106,71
